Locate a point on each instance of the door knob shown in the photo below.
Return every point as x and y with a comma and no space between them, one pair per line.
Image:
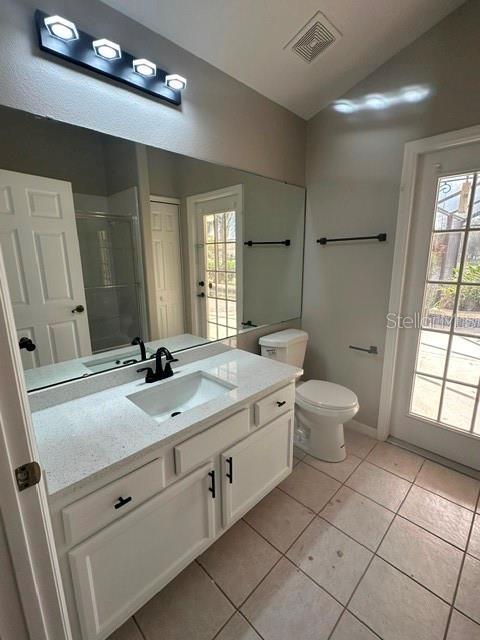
78,309
200,295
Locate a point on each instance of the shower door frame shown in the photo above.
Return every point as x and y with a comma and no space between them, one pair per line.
138,264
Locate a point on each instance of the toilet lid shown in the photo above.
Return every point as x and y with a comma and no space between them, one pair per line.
326,394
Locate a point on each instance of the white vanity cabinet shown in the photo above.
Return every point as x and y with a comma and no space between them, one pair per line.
115,559
115,571
254,466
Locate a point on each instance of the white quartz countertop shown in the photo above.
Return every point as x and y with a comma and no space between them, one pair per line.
83,438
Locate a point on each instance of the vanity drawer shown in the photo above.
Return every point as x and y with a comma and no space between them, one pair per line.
101,507
275,404
192,452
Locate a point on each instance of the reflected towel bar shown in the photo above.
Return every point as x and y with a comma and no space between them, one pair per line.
250,243
381,237
371,349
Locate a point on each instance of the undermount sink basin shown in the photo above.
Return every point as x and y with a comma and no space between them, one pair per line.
175,396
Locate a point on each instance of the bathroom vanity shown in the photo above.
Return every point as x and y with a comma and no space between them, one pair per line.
137,494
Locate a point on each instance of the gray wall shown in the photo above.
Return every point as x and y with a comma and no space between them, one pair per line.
53,150
354,166
95,164
221,119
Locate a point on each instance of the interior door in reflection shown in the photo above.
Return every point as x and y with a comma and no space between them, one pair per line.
40,248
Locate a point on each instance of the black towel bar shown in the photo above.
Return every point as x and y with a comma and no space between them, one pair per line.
381,237
250,243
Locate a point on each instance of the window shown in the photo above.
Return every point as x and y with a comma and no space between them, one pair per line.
447,370
221,274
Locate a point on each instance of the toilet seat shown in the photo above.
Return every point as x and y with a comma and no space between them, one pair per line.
319,394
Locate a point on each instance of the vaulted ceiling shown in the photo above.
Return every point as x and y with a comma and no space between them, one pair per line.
252,40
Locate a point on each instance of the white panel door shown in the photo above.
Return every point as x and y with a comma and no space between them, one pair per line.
255,466
167,268
116,571
38,238
216,223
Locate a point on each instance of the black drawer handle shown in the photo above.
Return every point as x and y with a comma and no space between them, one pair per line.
280,404
229,473
211,488
122,502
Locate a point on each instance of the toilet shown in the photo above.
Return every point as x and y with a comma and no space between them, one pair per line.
321,408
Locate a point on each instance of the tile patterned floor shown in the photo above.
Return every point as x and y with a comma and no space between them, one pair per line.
383,545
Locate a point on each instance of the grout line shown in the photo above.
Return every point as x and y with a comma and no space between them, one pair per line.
459,577
225,623
374,555
216,583
397,513
448,499
251,625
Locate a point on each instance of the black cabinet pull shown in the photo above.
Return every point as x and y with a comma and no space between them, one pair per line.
229,473
211,488
280,404
122,502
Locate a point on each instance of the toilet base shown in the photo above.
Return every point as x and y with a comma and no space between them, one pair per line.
323,438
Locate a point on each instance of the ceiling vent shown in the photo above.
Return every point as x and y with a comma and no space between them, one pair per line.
314,38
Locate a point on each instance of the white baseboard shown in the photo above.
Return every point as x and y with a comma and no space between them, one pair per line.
355,425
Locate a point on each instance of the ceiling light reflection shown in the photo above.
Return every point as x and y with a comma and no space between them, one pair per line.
380,101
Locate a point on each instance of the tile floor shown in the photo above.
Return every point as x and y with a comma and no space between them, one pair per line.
383,545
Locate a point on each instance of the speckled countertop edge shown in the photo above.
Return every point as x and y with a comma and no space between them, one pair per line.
83,439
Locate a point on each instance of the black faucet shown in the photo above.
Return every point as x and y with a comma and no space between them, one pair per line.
160,372
143,352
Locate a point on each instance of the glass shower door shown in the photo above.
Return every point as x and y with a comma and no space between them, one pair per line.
112,291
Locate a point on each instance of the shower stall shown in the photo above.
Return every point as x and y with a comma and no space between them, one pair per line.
111,255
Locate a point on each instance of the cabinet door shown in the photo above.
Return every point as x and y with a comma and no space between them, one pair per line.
256,465
119,569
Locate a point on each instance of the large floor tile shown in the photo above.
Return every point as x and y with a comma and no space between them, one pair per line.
238,561
468,594
449,483
349,628
332,559
461,628
438,515
379,485
279,518
128,631
359,517
397,460
421,555
309,486
338,470
357,443
474,544
191,606
289,605
397,608
238,629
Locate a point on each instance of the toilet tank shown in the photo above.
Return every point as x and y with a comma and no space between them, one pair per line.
287,346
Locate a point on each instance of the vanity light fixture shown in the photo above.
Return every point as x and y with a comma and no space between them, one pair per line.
107,49
145,68
60,28
174,81
60,37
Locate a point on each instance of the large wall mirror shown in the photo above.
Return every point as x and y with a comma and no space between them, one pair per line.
109,245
